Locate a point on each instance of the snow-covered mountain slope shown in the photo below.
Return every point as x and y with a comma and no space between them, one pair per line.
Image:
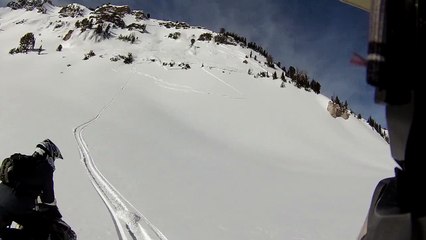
208,152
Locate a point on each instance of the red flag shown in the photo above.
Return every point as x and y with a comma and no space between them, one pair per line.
358,60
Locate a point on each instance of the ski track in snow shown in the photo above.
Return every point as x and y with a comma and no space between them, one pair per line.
223,82
172,86
188,89
242,56
129,222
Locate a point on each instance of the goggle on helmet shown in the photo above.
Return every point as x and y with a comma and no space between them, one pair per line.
50,148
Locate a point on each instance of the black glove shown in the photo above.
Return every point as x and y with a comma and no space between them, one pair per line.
50,211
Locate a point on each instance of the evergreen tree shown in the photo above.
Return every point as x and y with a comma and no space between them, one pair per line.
315,86
370,121
270,61
274,75
99,29
91,24
107,34
337,101
291,72
27,42
345,105
283,77
129,59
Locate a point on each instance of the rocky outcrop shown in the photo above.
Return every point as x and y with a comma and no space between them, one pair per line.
139,15
136,26
29,5
336,110
109,9
112,14
72,10
177,25
68,35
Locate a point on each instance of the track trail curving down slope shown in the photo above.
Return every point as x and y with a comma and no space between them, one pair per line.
129,222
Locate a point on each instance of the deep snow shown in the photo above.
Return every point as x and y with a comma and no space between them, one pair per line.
205,153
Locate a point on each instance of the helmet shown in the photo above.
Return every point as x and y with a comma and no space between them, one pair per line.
50,148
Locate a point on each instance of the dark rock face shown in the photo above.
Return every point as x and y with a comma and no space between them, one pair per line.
336,110
28,4
71,10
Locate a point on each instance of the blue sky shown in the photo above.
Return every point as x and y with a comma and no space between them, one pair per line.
317,36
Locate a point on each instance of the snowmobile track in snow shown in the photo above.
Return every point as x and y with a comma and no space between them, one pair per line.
129,222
